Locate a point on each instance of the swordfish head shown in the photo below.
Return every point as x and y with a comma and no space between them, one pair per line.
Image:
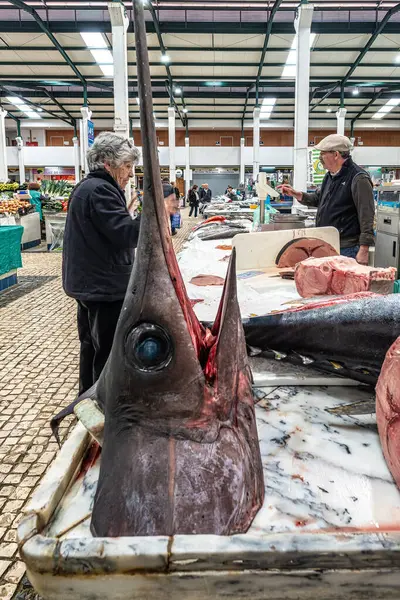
180,451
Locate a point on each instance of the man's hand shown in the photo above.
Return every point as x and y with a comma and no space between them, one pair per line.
362,255
171,204
287,190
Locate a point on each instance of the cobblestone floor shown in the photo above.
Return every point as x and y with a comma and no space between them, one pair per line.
38,375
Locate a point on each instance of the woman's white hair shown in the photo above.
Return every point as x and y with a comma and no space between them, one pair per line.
108,147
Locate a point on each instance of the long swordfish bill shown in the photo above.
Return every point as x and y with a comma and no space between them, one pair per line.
180,451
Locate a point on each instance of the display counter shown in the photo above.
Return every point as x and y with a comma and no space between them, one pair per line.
31,224
10,255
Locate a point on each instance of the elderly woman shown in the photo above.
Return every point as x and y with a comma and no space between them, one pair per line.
98,250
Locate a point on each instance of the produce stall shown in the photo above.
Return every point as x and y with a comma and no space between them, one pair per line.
15,209
10,255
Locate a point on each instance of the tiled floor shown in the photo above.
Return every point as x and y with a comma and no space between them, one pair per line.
38,375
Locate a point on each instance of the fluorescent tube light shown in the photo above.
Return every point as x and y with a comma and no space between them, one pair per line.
386,108
93,39
24,108
99,50
15,100
289,70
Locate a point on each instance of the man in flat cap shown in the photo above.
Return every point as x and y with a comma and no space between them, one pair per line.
345,199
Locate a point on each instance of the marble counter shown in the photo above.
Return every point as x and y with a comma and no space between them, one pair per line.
329,523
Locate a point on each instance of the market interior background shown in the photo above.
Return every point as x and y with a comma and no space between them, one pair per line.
226,85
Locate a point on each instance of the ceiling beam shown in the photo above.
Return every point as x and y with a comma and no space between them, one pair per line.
173,63
245,49
194,27
270,21
170,85
379,28
197,81
364,110
44,28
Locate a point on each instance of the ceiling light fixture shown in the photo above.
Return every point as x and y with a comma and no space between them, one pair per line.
185,110
267,107
165,58
24,108
355,92
289,70
178,91
397,59
99,50
328,110
386,108
15,100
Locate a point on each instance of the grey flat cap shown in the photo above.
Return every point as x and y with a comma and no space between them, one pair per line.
335,142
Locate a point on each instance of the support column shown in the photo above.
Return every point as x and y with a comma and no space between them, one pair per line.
303,32
77,163
3,150
171,142
119,24
86,116
21,162
341,120
187,169
256,142
241,175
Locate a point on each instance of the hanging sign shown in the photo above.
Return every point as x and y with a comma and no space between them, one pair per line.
316,171
90,129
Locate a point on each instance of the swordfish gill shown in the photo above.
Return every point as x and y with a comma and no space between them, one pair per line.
180,451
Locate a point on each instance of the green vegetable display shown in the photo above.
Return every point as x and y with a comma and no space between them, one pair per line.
53,189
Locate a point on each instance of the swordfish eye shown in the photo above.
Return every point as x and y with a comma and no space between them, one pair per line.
149,347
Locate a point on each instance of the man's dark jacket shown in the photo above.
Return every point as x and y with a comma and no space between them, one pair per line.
346,201
99,241
205,195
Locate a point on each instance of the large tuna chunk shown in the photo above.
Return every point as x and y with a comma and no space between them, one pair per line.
388,409
339,275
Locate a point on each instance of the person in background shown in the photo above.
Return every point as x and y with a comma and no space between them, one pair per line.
176,190
34,192
230,193
345,199
194,200
205,193
169,196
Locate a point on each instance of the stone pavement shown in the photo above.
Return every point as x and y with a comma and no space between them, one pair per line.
38,375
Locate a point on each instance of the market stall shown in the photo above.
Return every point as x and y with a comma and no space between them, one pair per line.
10,255
16,209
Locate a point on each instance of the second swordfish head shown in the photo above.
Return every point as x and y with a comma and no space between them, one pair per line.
180,451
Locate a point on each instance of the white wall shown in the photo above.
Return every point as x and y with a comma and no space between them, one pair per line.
209,156
42,156
378,156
